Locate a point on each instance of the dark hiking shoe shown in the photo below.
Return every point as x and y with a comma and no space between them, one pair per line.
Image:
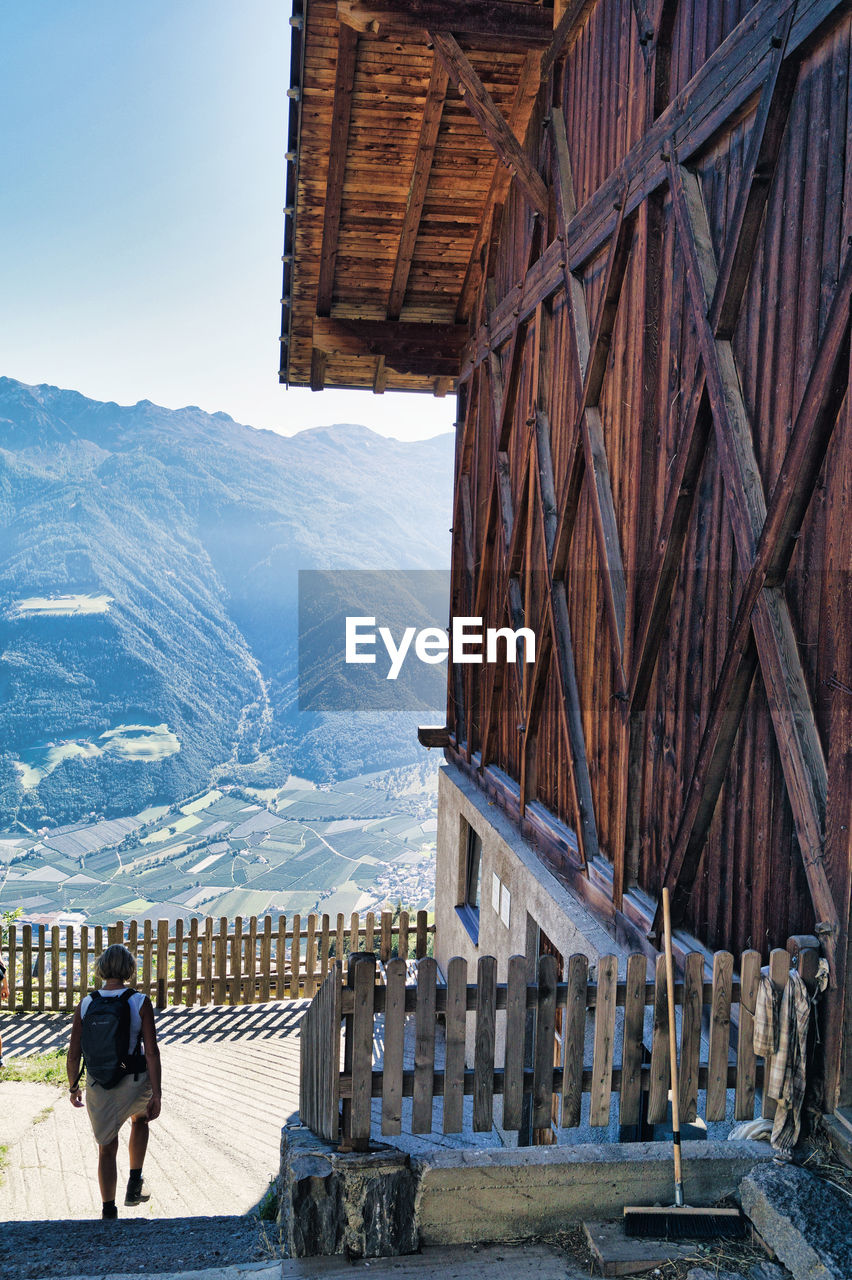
109,1211
136,1194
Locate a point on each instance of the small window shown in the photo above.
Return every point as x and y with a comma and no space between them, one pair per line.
468,909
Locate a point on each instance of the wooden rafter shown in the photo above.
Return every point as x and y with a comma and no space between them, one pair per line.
483,109
500,22
567,33
347,49
426,144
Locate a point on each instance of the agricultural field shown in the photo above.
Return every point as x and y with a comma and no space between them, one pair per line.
353,845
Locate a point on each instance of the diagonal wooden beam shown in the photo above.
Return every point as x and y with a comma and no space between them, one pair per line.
519,115
758,171
567,33
793,719
347,50
483,109
429,127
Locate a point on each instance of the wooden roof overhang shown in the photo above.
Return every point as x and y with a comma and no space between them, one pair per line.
405,121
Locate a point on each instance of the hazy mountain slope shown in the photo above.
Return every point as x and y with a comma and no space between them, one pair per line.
185,532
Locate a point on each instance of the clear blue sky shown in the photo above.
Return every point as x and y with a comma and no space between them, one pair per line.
142,159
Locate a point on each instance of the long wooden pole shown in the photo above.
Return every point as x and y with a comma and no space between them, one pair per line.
670,992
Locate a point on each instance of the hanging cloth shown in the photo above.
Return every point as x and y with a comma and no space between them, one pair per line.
781,1022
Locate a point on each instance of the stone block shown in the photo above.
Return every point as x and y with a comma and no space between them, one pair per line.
806,1222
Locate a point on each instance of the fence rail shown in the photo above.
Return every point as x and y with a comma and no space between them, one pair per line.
209,961
544,1030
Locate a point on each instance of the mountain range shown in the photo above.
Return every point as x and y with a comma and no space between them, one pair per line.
148,596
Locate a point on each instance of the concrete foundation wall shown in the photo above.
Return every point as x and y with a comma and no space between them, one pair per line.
533,890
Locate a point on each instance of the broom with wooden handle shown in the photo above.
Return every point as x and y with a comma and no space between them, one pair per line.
680,1221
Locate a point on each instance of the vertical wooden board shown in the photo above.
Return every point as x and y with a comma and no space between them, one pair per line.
779,969
456,1025
178,998
424,1046
422,934
295,956
162,969
331,1054
207,962
690,1036
133,937
266,960
633,1042
220,994
192,963
324,947
27,965
311,957
483,1057
281,958
604,1041
55,965
402,945
354,934
513,1060
84,959
370,933
574,1040
250,987
236,987
362,1049
340,940
545,1034
658,1092
385,944
69,970
12,965
147,955
394,1044
720,1036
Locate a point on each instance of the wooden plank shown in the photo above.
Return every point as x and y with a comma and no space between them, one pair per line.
394,1033
27,966
370,932
69,968
515,1035
510,25
362,1050
484,1043
319,365
483,109
424,1046
84,960
545,1030
178,988
720,1036
422,934
12,965
99,947
281,959
220,985
324,946
402,941
746,1061
235,994
607,976
347,50
660,1071
575,15
385,926
311,957
295,957
266,959
779,969
354,934
408,346
161,972
192,963
429,126
55,965
690,1037
574,1040
207,953
454,1058
633,1042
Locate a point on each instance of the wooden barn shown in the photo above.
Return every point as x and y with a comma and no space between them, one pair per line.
619,231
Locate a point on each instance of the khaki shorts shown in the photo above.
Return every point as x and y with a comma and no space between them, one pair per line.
109,1108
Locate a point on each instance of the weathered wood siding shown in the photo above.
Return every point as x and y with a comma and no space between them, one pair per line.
750,889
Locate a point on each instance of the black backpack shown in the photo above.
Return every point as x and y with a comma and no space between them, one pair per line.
106,1040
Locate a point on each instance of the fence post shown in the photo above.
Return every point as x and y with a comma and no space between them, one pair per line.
281,959
422,924
12,972
295,956
178,996
162,971
84,959
69,968
27,967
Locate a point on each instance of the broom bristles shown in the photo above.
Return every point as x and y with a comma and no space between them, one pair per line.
686,1223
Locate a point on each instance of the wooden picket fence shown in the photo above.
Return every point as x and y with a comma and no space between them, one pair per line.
544,1033
209,962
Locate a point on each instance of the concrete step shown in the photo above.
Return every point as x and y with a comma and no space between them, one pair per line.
533,1262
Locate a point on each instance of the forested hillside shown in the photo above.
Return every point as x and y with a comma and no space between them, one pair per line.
148,570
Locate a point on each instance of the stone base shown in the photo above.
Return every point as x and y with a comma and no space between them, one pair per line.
806,1222
361,1205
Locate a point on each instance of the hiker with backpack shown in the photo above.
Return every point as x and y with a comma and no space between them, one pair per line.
113,1033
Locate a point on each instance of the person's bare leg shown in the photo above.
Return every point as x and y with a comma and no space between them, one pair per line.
138,1144
107,1175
